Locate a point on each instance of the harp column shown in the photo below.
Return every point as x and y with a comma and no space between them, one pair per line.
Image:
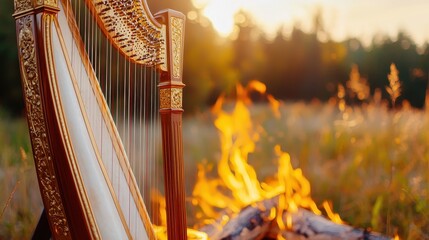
170,88
63,195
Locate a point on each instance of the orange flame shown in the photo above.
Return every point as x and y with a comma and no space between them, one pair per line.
238,185
161,233
161,230
396,237
333,216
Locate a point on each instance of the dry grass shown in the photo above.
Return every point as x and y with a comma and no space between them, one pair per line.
394,89
20,201
373,165
358,85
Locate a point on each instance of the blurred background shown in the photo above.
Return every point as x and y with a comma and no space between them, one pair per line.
301,50
328,62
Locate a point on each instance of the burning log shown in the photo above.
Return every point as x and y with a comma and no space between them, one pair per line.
279,217
252,222
312,226
258,222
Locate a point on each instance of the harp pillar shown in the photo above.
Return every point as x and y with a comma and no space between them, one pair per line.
61,194
170,88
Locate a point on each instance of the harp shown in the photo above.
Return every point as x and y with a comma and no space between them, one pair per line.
102,79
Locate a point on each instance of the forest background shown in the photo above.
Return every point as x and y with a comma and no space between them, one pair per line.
296,65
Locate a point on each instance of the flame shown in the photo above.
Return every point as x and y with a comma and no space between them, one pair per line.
161,233
238,185
333,216
161,230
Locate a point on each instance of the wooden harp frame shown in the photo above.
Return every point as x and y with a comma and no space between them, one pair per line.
64,196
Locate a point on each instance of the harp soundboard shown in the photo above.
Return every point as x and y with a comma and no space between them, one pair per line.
102,83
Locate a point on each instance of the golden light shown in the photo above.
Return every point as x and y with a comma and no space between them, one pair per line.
237,185
342,19
221,14
224,14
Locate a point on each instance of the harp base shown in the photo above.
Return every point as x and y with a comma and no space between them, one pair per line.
42,230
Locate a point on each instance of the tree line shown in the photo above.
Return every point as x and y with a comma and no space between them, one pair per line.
294,66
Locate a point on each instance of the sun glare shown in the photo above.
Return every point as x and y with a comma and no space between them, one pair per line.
221,14
341,18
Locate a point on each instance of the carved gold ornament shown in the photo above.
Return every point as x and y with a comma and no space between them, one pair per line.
176,37
170,98
131,29
38,132
24,5
47,2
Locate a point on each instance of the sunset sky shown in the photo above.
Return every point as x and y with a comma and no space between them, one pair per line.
341,18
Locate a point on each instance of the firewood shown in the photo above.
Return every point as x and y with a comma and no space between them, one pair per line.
312,227
254,222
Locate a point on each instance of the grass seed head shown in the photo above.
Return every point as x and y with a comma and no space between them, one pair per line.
394,89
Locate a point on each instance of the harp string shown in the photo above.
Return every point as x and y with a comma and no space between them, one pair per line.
131,93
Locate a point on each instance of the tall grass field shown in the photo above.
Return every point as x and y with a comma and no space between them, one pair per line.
370,162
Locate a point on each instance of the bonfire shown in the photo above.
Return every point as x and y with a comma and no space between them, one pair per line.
237,205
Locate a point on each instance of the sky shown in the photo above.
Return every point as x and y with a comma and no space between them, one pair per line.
341,18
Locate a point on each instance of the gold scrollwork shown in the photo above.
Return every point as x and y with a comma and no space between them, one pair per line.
22,5
176,44
38,131
170,98
47,2
130,28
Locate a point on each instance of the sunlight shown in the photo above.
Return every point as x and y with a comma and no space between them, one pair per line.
269,15
341,19
221,14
